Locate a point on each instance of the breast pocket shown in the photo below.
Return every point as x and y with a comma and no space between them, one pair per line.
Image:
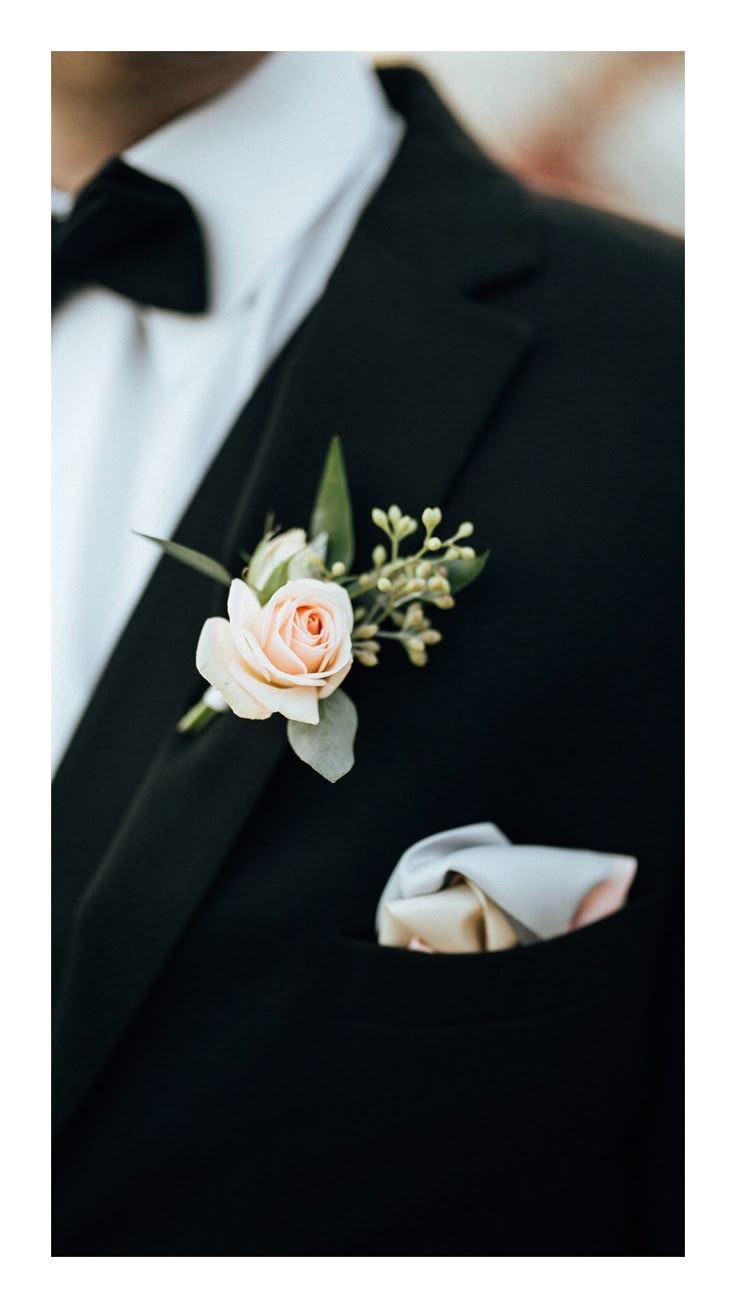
479,1081
604,962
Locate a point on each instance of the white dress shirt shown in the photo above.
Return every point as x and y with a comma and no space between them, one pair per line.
277,169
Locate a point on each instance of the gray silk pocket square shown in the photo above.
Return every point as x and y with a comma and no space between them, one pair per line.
469,890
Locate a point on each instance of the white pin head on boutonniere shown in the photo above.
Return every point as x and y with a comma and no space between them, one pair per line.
298,618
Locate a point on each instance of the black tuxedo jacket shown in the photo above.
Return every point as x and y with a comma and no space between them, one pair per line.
238,1067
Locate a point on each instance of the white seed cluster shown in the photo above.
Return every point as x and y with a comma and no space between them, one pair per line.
400,586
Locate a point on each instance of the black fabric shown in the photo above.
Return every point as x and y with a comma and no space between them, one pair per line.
132,234
239,1069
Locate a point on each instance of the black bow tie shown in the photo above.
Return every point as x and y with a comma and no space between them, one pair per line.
134,235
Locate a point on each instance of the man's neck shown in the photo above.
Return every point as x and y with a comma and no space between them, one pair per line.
103,102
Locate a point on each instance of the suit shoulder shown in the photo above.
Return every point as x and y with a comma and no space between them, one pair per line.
588,240
602,284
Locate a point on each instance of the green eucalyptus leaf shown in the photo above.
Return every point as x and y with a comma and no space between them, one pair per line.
333,511
461,572
192,558
328,746
256,558
274,581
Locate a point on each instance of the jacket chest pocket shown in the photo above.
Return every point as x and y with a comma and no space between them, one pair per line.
532,1049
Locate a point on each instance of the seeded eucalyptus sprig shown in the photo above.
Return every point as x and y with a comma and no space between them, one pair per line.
397,589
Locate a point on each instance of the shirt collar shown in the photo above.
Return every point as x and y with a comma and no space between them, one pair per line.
260,162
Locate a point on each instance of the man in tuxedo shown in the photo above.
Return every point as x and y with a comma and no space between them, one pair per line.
250,254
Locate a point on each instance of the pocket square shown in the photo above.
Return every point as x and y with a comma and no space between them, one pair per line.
469,890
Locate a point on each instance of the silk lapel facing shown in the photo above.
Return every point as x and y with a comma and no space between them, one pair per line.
399,361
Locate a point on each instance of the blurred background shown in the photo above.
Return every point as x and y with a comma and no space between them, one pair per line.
603,126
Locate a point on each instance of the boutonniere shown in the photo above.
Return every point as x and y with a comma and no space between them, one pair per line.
299,618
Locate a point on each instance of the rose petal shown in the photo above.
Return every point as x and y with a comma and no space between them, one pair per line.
335,680
219,663
297,702
282,657
242,605
261,667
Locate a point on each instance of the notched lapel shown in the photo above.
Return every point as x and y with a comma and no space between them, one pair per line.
407,370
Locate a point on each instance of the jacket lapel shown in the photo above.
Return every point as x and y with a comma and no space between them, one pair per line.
406,366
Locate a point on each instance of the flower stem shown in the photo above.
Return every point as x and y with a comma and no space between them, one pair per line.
196,718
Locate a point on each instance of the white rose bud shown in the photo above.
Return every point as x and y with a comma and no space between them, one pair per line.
270,554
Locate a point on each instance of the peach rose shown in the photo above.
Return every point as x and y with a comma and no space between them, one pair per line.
281,658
